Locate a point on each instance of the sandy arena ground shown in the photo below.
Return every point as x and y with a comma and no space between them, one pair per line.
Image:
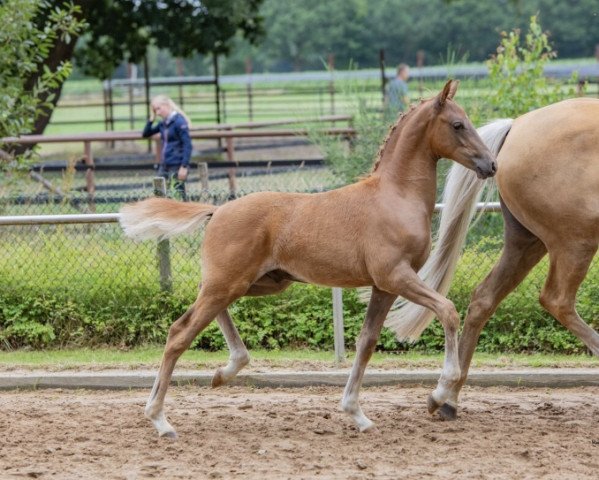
238,432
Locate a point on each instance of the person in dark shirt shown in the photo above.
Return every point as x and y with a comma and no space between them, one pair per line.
176,142
396,93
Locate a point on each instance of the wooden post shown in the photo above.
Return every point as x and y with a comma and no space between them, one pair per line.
383,77
110,109
597,58
331,64
248,71
108,106
216,86
203,169
420,64
232,171
106,86
351,138
217,91
320,102
157,150
230,148
338,329
90,184
130,69
179,63
223,94
164,248
147,88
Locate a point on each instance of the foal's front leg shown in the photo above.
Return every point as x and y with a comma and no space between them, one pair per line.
406,282
380,303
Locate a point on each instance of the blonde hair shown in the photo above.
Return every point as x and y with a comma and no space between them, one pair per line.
164,100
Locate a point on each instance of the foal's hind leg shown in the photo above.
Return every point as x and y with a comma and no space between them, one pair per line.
210,302
380,303
238,353
567,270
239,356
521,252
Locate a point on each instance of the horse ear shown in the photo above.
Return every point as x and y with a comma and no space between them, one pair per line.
448,92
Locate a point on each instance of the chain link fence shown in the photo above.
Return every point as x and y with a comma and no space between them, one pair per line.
97,265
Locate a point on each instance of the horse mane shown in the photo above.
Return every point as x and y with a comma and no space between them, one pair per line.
390,133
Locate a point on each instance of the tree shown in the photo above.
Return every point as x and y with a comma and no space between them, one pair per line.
122,30
357,29
30,31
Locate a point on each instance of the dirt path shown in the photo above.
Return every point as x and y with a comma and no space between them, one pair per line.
239,432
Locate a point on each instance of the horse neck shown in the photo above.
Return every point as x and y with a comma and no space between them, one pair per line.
407,163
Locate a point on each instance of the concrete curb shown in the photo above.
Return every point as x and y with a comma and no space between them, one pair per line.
532,378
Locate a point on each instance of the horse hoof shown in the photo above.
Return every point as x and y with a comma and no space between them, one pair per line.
218,379
432,404
367,427
448,412
370,430
171,435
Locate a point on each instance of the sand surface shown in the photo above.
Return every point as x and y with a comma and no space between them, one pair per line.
240,432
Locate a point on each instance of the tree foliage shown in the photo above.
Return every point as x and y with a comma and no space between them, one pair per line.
123,30
26,45
356,30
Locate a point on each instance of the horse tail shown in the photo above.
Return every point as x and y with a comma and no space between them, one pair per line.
461,193
163,218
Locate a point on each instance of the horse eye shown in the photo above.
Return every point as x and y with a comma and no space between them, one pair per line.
458,125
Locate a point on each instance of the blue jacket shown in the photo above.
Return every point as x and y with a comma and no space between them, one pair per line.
176,143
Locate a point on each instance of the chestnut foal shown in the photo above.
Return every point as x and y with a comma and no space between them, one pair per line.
376,232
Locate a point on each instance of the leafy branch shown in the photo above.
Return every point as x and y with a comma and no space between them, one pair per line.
516,73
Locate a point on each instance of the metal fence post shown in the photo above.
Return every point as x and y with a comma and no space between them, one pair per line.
163,249
338,328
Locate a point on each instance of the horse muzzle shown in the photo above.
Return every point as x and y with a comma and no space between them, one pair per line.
485,167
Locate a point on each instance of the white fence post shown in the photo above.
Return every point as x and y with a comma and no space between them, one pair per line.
338,328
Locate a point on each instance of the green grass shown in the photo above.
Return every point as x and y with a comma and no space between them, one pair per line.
149,357
271,100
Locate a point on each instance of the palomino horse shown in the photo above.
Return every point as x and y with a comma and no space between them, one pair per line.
375,233
548,181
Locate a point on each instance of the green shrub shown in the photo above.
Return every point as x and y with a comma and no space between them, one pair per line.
299,317
516,73
59,293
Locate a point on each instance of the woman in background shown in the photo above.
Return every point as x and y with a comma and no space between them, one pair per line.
176,143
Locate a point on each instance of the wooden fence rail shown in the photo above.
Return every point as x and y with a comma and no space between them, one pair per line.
221,132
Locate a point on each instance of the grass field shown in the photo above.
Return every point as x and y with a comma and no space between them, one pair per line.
149,357
81,107
286,101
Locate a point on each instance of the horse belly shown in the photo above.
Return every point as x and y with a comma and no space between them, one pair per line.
326,268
